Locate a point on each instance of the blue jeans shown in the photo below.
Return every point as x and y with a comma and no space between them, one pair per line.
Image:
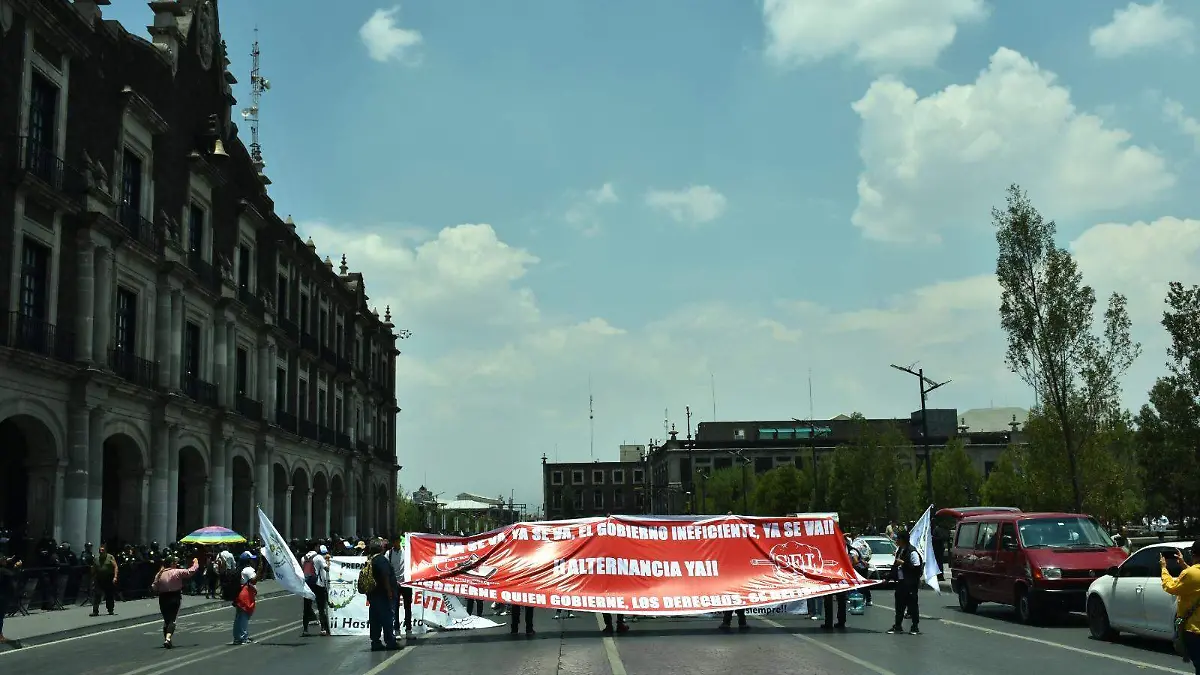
382,619
241,627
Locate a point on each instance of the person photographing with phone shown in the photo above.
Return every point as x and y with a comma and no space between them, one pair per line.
1186,587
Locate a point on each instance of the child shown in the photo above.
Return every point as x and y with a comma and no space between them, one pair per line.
244,604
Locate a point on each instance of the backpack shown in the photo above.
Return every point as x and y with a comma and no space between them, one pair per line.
310,569
366,577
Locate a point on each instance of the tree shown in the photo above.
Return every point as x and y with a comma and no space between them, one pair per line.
721,491
873,478
408,516
955,480
1046,311
780,491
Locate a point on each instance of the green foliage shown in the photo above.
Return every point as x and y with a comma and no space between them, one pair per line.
873,479
955,480
1046,311
780,491
722,490
408,516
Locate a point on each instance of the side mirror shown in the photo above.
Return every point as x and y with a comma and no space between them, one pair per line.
1008,543
1113,571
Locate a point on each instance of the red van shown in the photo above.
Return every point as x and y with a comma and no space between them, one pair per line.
1037,562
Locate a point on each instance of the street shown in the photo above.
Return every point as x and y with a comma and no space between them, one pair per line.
953,643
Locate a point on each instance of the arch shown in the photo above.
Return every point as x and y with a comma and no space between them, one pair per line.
301,503
192,488
38,410
299,463
242,451
241,488
187,438
337,506
28,462
280,479
321,521
123,484
320,468
123,426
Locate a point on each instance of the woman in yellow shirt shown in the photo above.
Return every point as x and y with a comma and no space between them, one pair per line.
1186,587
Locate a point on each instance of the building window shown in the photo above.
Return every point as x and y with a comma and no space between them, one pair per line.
242,372
244,267
35,276
323,327
337,414
304,313
618,476
556,478
321,412
281,398
577,501
597,477
43,115
191,351
281,295
639,476
597,499
195,229
131,182
556,500
577,477
618,498
739,434
125,335
303,405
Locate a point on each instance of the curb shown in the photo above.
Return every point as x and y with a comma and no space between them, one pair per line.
125,622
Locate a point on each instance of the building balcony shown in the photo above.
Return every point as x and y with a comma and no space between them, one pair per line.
248,407
139,228
362,446
343,441
250,300
309,343
343,365
285,420
38,337
202,269
131,368
290,329
41,163
309,430
327,435
204,393
329,356
384,454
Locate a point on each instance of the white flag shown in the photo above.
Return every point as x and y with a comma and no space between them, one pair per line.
920,537
283,563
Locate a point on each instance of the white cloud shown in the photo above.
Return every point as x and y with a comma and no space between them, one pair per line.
490,380
385,40
583,212
693,205
1138,28
936,163
888,34
1188,125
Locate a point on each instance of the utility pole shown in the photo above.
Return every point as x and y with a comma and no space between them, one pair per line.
926,385
687,480
745,492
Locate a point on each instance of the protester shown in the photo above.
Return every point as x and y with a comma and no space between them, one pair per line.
316,577
515,624
404,596
908,570
1185,586
168,583
8,576
622,627
244,605
105,572
727,619
381,593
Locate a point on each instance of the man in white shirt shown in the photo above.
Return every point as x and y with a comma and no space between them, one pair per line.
316,575
908,570
396,558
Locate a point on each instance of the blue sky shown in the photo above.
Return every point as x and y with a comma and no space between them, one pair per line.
646,193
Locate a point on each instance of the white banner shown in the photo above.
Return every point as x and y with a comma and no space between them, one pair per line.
283,563
348,613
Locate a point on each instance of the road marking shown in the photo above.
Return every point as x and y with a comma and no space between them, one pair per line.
156,622
878,670
610,650
203,654
386,663
1059,645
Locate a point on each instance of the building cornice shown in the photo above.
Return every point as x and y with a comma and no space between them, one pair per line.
143,110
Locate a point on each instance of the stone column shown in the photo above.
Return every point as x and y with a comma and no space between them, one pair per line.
231,361
144,521
309,516
221,367
271,401
325,531
287,515
350,511
157,510
218,497
264,378
162,334
75,503
172,523
262,483
102,325
95,477
176,338
60,479
86,297
207,510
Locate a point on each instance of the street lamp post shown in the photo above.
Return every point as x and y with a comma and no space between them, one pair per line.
745,494
926,385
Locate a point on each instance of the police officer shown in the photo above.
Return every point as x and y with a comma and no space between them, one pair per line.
907,572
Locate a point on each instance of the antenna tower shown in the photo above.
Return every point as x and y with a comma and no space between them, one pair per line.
591,421
258,85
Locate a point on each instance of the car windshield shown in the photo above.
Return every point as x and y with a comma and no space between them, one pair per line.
881,546
1068,532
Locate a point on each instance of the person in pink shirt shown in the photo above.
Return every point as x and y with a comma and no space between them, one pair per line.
168,583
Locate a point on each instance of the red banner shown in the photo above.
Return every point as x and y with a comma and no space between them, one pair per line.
640,565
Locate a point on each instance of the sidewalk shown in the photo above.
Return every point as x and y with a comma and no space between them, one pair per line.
46,626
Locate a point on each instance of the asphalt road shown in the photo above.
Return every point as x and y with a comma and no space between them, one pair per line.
990,643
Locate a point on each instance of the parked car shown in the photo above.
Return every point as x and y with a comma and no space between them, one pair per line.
1129,598
1038,563
883,556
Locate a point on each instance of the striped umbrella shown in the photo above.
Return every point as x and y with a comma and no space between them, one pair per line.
213,535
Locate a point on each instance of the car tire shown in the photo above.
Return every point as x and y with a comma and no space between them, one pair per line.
966,603
1027,610
1098,623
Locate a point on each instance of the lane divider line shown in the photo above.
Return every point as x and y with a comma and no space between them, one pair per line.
878,670
389,661
205,654
610,650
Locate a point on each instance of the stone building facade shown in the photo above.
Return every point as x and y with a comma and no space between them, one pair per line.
172,353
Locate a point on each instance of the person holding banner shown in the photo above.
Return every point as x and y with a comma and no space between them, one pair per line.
516,619
622,627
405,596
727,619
